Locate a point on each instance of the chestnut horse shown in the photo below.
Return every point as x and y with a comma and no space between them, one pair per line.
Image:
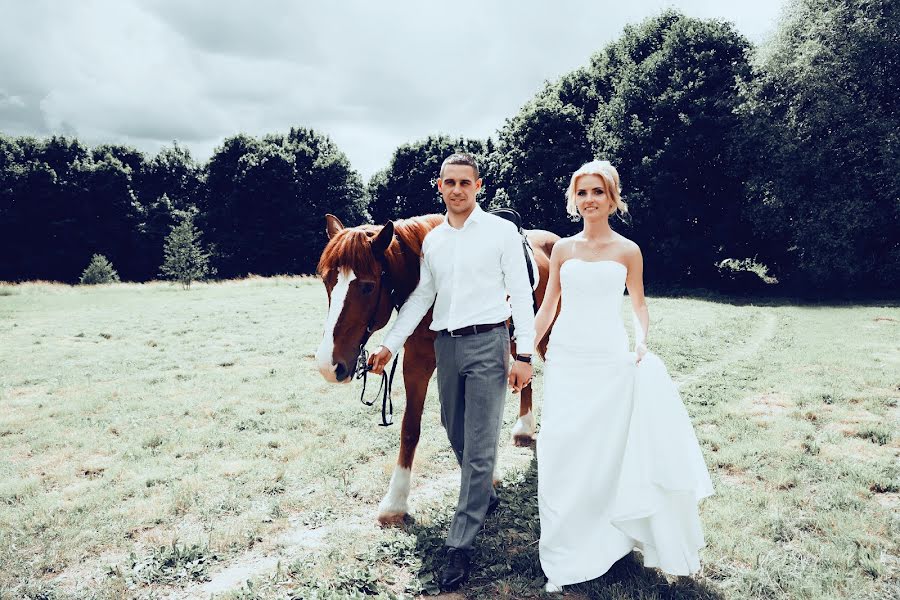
368,271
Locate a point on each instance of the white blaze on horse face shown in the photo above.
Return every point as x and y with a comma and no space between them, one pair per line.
325,353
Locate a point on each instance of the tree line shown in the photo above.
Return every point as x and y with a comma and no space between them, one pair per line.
259,204
741,165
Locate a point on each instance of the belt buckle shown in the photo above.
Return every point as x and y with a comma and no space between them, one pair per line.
458,335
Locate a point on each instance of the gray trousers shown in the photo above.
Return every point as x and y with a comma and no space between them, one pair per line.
472,378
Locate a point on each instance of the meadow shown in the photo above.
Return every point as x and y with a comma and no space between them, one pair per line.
161,443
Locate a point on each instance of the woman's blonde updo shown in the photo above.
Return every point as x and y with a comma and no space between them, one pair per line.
610,177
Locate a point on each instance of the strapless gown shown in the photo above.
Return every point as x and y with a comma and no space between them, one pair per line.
619,466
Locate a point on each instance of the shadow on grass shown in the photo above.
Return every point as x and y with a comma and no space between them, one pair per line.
507,564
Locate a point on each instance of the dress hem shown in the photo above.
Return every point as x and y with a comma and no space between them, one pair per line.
579,579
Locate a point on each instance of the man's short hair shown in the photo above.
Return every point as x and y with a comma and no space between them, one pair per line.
460,158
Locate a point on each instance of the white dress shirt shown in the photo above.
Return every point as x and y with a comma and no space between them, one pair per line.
467,273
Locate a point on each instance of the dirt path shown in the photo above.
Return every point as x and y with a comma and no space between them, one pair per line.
298,540
764,332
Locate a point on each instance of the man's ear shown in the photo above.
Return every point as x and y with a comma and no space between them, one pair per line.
332,225
383,239
440,184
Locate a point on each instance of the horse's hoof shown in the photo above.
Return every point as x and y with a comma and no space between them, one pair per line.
523,431
523,440
394,519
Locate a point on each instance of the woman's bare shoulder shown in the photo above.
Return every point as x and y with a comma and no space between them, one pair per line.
628,247
564,244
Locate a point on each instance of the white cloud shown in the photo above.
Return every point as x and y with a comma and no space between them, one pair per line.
11,101
370,75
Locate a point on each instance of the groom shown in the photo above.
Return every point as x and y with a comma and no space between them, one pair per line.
469,264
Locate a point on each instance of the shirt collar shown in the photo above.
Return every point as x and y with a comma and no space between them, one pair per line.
474,217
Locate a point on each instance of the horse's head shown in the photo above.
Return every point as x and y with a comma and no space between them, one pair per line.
359,294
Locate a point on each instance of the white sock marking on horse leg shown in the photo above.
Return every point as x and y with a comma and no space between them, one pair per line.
324,355
395,501
525,426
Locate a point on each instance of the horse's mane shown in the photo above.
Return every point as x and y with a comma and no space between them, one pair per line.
351,247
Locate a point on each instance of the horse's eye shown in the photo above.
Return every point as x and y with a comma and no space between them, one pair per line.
367,287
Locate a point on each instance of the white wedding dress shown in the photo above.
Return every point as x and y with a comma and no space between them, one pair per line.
619,466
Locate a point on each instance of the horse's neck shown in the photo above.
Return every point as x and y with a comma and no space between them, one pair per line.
406,277
407,263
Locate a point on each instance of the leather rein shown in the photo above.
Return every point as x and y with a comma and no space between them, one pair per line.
387,381
362,361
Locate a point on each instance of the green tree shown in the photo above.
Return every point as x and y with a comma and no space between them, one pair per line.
106,214
12,175
128,156
406,187
823,116
173,172
99,270
265,200
537,151
185,260
171,181
669,90
61,202
44,210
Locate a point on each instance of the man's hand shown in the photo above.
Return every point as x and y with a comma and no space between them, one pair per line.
378,360
520,375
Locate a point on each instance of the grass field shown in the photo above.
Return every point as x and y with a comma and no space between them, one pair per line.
157,443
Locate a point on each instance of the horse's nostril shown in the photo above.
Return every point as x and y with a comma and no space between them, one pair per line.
341,372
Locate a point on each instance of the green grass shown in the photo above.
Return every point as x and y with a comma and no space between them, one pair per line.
151,437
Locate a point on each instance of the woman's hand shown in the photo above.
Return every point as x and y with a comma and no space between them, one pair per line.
640,349
520,375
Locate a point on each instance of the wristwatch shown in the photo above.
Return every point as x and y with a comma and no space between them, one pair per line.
525,358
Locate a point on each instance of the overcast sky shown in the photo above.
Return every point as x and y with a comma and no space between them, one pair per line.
370,74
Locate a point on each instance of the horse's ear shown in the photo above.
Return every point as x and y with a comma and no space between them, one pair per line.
383,239
332,225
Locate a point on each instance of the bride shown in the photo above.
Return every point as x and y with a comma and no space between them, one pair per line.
619,466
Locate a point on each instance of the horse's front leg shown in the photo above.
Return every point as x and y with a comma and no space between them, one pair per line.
418,365
524,429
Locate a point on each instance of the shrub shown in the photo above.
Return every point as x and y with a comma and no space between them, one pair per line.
743,276
100,270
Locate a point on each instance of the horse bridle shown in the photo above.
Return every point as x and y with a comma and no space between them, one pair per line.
362,361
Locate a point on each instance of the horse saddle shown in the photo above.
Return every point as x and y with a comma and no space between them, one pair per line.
516,219
510,215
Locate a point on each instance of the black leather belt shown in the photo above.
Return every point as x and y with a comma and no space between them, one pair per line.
472,329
